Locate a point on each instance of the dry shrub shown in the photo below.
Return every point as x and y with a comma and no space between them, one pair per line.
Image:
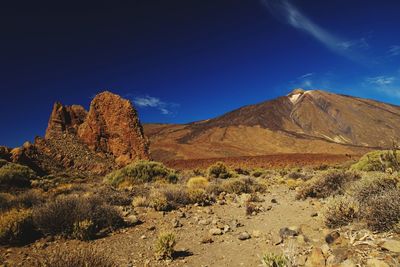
80,257
59,216
141,172
382,211
199,196
159,201
67,189
372,184
164,247
140,201
15,175
28,199
293,184
242,185
274,260
327,184
250,208
16,227
219,170
198,182
114,196
341,210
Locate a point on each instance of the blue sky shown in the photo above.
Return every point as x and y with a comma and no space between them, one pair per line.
181,61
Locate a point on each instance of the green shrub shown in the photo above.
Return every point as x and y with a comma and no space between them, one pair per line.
79,257
164,247
15,175
141,172
340,211
61,215
382,160
16,227
275,260
328,183
219,170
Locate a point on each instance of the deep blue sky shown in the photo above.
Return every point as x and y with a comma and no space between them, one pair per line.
182,61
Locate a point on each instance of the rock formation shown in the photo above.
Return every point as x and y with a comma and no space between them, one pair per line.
80,142
112,126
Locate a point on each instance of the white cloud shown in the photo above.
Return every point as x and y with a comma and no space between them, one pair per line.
381,80
154,102
284,9
394,50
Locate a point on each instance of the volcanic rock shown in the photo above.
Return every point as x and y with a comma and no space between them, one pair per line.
112,126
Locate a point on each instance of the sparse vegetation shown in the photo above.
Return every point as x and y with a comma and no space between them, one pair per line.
141,172
242,185
328,183
16,227
382,160
340,211
165,244
219,170
80,257
67,213
15,175
198,182
275,260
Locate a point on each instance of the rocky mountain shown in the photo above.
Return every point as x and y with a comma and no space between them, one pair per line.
107,136
312,121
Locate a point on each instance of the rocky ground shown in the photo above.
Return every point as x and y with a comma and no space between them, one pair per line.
223,235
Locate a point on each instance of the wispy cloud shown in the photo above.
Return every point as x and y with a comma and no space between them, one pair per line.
386,84
394,50
381,80
154,102
286,11
306,75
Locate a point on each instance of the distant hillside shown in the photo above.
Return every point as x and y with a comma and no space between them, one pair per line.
312,121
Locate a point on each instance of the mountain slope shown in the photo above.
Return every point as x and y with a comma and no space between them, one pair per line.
301,122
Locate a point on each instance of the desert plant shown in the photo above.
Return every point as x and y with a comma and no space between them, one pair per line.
83,230
80,257
197,182
328,183
275,260
242,185
219,170
159,201
114,196
59,216
164,247
141,172
382,211
140,201
15,175
340,211
382,160
199,196
16,227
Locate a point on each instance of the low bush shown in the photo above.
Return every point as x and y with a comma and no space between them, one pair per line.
383,160
165,244
197,182
141,172
242,185
80,257
15,175
275,260
114,196
62,215
381,212
340,211
219,170
159,201
328,183
140,201
16,227
200,197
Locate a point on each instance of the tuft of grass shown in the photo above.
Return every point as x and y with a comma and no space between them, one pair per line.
381,160
15,175
141,172
198,182
274,260
16,227
165,244
340,211
328,183
219,170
